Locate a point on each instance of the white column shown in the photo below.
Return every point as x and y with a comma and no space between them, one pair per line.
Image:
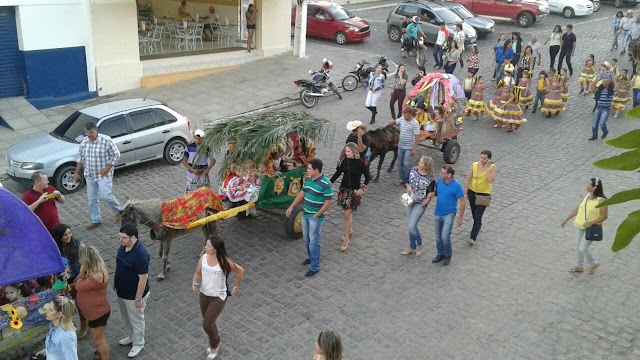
89,50
300,35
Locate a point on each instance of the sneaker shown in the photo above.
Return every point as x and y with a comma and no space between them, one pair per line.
472,242
604,135
592,138
91,226
446,261
306,262
437,259
212,354
310,273
125,341
135,350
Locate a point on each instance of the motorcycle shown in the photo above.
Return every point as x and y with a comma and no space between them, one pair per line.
320,85
419,51
361,73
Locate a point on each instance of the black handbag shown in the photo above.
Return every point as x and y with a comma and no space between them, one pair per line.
593,232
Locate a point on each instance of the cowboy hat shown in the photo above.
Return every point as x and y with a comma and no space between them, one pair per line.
352,125
606,64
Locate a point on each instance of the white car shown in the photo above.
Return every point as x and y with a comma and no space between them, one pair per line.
571,8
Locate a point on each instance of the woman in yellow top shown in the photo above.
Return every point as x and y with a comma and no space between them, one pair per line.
479,181
587,214
635,84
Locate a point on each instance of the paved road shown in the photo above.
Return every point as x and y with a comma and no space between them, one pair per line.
509,297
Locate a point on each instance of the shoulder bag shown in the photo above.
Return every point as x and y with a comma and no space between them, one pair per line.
481,199
593,232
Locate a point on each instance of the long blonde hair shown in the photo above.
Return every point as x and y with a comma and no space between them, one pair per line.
428,163
354,149
91,260
331,345
67,308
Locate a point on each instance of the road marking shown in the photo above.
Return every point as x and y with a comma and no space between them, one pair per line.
590,21
373,7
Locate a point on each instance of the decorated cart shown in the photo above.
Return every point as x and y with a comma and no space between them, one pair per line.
443,91
265,159
27,252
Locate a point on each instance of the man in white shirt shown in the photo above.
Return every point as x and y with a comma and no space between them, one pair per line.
625,26
437,49
536,46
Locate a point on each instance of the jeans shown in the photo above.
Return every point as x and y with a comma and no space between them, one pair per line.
437,54
397,96
614,45
414,213
553,52
449,69
404,158
133,319
626,37
600,117
539,97
100,189
497,72
636,97
444,224
476,212
582,249
565,55
311,228
211,307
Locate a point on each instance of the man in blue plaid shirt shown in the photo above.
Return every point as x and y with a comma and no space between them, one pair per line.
97,157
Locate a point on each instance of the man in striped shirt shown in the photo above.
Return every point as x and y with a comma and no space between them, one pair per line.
316,198
604,98
407,143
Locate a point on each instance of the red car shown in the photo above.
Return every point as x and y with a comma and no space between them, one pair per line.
332,21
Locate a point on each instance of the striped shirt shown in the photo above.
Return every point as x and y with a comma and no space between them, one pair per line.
408,132
96,155
605,98
316,192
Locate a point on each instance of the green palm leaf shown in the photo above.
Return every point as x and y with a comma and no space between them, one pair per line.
623,196
630,140
629,229
627,161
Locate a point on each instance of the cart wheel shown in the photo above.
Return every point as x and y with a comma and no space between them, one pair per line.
293,223
451,151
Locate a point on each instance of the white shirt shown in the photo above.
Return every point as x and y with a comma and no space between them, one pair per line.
555,39
537,48
458,36
214,281
441,38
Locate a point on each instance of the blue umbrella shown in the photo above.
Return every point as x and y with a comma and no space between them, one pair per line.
27,250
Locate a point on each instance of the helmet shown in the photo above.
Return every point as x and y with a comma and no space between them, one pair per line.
415,19
327,65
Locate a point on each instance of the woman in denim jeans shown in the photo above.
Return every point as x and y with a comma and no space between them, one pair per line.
420,184
616,29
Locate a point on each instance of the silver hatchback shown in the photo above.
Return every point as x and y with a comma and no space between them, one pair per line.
142,129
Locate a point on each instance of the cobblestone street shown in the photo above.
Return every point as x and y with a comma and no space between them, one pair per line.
508,297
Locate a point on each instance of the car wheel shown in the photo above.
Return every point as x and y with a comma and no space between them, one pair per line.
596,6
293,223
451,151
568,12
341,38
525,19
174,151
63,179
394,34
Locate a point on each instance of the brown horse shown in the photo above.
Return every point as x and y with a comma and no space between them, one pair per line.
634,54
383,141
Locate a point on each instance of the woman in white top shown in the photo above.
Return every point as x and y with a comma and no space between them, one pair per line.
211,279
554,41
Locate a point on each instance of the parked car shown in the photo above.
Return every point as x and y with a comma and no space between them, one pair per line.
482,25
332,21
622,3
524,12
571,8
431,17
142,129
596,5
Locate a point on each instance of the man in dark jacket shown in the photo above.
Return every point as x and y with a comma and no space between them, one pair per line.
604,99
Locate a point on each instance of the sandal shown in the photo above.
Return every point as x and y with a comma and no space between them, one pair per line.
408,252
576,269
345,247
419,252
399,183
593,269
82,333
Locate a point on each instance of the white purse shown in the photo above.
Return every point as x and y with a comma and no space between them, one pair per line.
406,200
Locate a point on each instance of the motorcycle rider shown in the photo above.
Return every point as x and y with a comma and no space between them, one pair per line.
412,30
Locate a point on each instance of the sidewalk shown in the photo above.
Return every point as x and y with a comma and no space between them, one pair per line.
251,86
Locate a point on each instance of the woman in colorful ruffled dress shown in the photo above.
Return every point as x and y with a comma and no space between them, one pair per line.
564,82
496,105
510,112
476,105
588,73
553,104
526,99
621,94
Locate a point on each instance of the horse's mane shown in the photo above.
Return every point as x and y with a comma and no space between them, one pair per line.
379,131
146,208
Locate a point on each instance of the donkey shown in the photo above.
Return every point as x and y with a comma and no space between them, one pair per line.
147,213
382,141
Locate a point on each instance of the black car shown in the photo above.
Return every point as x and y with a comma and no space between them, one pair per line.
620,3
483,26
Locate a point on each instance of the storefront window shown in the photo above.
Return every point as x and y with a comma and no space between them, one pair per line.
189,27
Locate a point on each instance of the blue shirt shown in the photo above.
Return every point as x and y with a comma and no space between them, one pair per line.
413,29
502,54
61,344
447,197
130,264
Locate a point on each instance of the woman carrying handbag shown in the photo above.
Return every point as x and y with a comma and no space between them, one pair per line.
478,186
588,224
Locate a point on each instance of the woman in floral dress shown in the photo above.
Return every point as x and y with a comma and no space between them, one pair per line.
588,73
476,105
552,104
621,93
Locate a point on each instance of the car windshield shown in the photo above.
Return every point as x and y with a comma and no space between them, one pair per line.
462,12
72,127
447,16
340,13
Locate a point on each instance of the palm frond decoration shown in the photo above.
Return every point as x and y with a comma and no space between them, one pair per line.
255,136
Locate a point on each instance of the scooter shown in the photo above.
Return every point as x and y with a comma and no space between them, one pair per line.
361,73
320,85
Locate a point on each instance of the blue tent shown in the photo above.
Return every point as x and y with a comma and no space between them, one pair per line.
27,250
